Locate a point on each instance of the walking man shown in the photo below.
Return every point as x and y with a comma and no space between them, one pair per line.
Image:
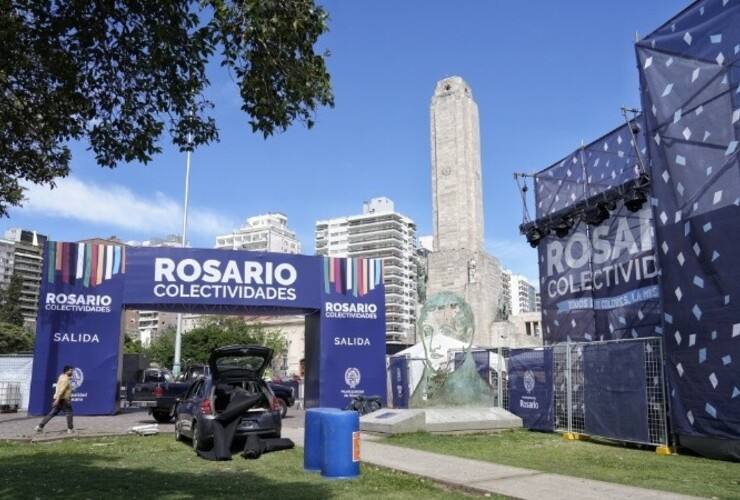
62,400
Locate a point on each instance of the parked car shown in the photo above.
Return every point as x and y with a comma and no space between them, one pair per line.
233,369
157,390
284,393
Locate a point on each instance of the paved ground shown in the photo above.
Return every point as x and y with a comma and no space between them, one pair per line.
19,426
476,476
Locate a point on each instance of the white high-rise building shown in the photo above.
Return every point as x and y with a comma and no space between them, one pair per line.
7,258
171,240
262,233
28,256
380,232
521,297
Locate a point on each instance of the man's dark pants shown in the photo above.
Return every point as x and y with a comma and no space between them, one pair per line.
62,405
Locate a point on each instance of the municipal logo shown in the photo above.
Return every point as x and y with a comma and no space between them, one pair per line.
529,381
78,377
352,377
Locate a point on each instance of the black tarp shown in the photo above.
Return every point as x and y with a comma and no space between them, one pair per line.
226,423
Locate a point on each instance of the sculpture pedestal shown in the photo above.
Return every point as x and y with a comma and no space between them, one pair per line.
442,420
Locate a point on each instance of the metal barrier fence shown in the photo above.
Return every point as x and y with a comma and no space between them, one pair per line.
570,386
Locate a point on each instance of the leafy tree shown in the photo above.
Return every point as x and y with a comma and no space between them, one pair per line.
14,338
131,346
10,299
216,332
162,350
120,73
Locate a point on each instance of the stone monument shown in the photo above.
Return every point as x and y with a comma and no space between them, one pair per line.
459,262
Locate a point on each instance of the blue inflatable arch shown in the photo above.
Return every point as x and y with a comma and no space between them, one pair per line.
85,287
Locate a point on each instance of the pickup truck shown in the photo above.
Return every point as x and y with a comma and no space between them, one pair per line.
157,390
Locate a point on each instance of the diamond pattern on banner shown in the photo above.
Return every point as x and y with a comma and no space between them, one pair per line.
690,77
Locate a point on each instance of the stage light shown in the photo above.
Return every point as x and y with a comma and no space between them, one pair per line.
562,227
634,199
534,236
596,214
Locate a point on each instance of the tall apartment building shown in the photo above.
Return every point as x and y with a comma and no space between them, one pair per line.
7,259
380,232
459,262
28,256
269,233
262,233
520,296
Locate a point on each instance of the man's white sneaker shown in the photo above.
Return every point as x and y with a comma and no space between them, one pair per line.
70,431
39,429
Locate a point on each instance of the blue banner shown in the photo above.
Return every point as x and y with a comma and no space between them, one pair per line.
606,303
600,282
191,278
530,388
78,324
614,380
689,81
565,284
352,357
399,366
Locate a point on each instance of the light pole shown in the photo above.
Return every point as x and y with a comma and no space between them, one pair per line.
178,332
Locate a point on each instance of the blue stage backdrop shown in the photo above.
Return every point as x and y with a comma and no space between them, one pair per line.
530,387
690,82
599,281
342,299
79,324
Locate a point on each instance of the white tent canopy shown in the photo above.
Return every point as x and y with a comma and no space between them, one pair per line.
437,350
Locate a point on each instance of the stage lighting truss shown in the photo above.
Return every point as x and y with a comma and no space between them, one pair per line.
563,226
596,214
637,195
593,211
534,236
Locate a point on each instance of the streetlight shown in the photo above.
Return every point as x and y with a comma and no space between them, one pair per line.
178,332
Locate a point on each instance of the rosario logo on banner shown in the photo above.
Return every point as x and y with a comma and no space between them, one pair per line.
80,266
352,276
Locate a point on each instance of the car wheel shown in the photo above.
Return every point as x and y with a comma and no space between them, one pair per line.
199,443
283,407
162,416
178,434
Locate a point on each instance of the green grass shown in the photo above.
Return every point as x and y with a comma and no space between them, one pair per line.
157,467
688,475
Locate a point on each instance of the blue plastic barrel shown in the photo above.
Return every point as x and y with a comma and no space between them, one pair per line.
312,448
340,437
